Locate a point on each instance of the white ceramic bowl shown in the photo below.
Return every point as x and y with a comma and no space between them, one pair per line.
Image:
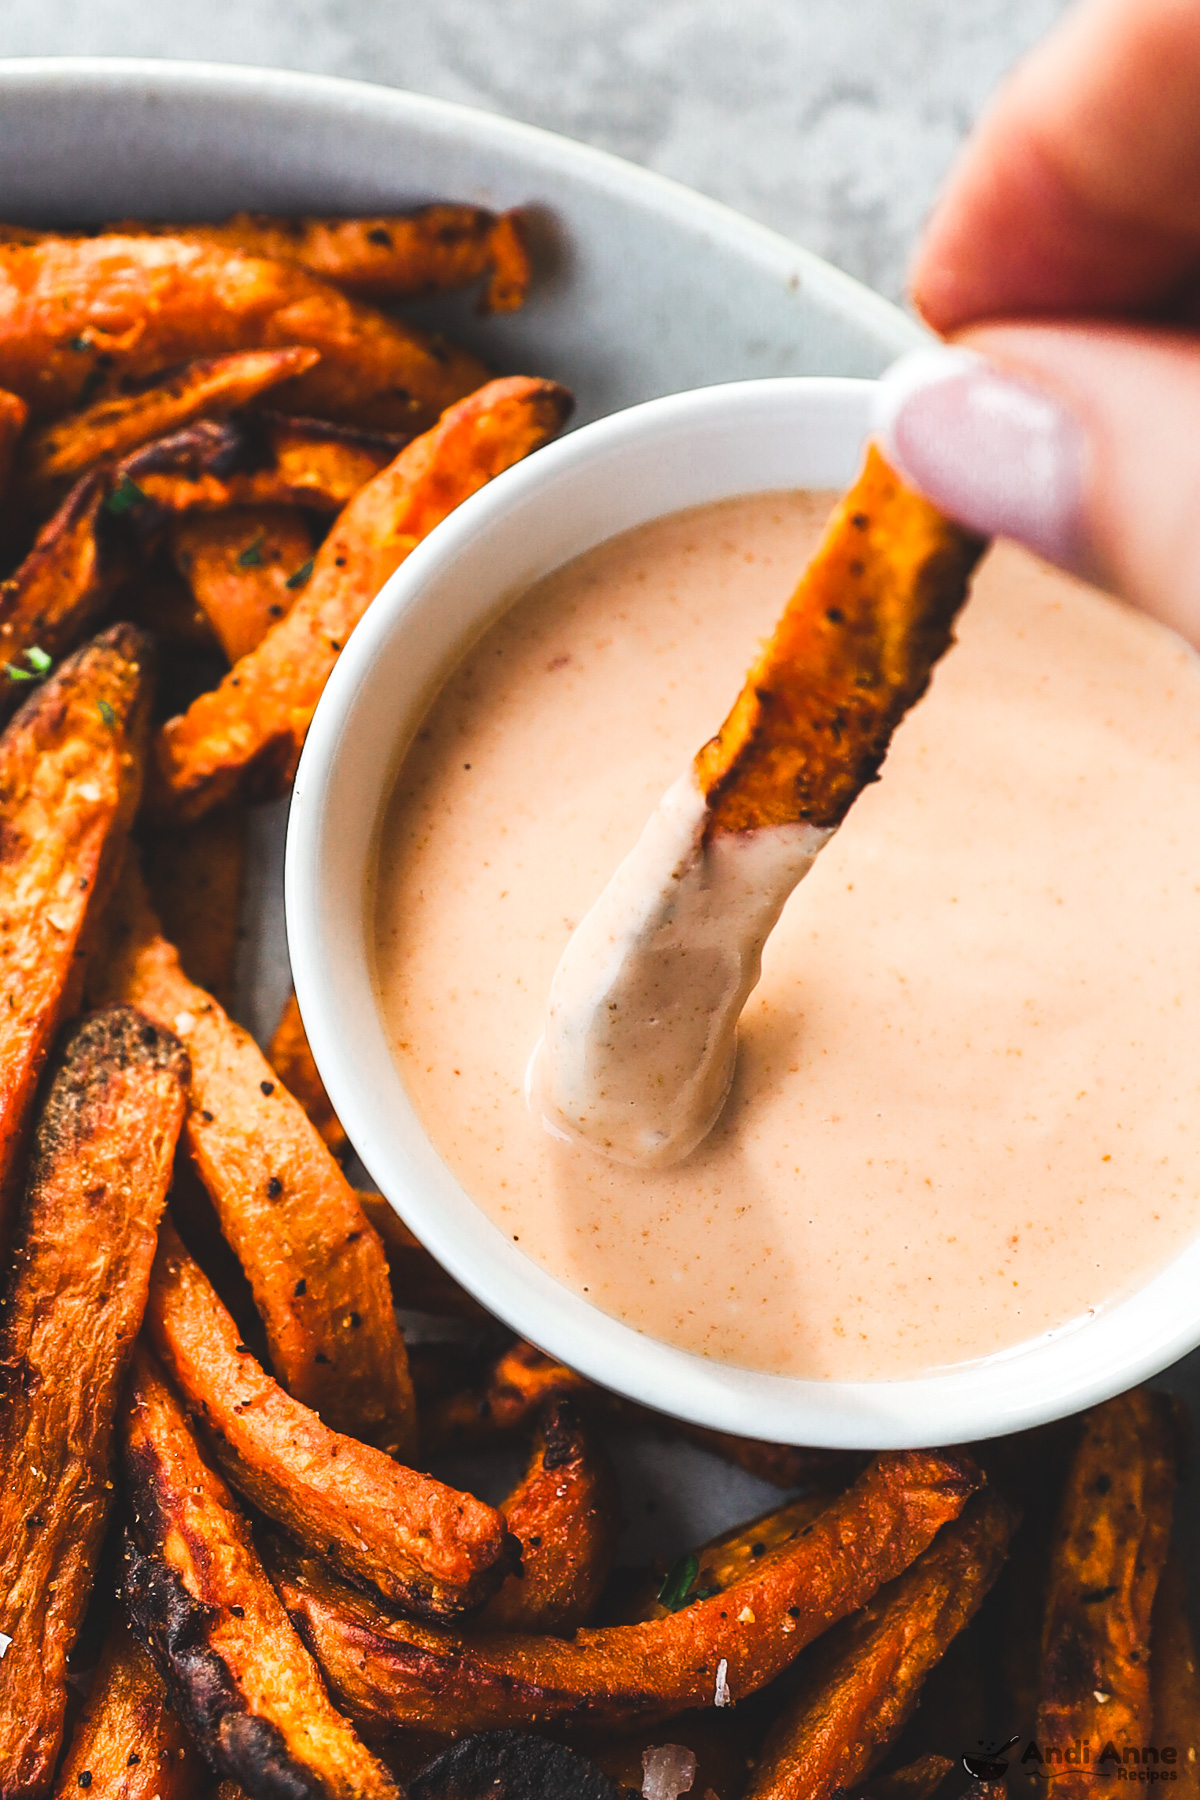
653,459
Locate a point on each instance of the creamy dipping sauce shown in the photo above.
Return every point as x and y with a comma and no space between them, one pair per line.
965,1110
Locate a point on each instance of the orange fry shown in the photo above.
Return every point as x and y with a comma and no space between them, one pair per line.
70,777
316,1267
54,596
715,1651
565,1514
425,1547
242,567
852,653
197,1594
72,1306
247,734
130,1743
78,315
255,459
58,454
855,1702
390,256
1111,1545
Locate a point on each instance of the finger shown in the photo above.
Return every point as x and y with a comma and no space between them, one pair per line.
1080,189
1078,441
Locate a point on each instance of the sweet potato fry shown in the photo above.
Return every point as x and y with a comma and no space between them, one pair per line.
316,1267
79,316
13,414
714,1651
1112,1542
426,1548
290,1054
197,1595
868,1679
245,567
130,1743
72,1306
70,776
48,603
565,1514
247,735
194,877
718,1564
853,651
419,1282
390,256
58,454
255,459
1175,1678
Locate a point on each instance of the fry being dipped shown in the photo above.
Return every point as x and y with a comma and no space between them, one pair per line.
641,1025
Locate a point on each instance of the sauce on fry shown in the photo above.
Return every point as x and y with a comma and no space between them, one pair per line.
964,1112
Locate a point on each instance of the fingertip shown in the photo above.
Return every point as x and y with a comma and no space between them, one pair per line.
993,450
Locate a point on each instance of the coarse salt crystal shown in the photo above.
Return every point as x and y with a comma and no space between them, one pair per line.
746,1616
668,1770
721,1694
5,1641
184,1021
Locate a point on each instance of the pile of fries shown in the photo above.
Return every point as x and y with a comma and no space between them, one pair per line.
227,1557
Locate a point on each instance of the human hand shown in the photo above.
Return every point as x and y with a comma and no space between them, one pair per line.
1065,250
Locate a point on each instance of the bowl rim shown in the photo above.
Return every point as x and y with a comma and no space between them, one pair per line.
840,292
1083,1362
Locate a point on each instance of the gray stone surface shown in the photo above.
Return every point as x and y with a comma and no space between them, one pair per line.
832,120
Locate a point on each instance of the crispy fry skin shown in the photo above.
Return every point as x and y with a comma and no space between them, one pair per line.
523,1380
13,414
130,1743
1175,1677
52,598
722,1561
565,1513
1111,1544
198,1596
72,1306
428,1549
388,1670
391,256
418,1280
291,1055
853,651
58,454
70,777
247,734
239,564
316,1267
145,304
854,1703
257,459
195,878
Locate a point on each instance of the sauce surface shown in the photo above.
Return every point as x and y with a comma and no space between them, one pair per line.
965,1111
